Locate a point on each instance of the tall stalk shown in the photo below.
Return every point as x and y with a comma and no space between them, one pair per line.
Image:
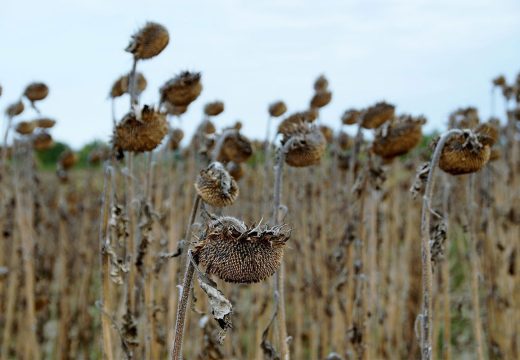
176,352
105,267
427,275
475,299
279,291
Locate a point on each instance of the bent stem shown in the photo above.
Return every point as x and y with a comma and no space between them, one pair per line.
427,275
279,292
176,352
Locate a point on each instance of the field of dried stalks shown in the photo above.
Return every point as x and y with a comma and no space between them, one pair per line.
312,244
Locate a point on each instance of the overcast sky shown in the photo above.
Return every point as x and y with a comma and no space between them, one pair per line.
427,57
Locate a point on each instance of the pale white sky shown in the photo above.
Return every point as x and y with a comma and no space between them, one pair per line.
427,57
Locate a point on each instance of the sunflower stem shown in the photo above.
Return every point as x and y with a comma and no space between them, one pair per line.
427,275
176,352
279,291
131,85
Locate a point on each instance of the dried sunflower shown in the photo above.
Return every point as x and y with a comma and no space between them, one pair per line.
350,117
277,109
377,115
36,91
321,99
121,85
25,127
139,135
42,141
67,160
149,41
344,141
216,186
236,170
182,90
398,136
176,137
465,153
235,147
304,145
44,123
321,83
240,254
214,108
328,133
15,109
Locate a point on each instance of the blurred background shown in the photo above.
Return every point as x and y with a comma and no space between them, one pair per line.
427,57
